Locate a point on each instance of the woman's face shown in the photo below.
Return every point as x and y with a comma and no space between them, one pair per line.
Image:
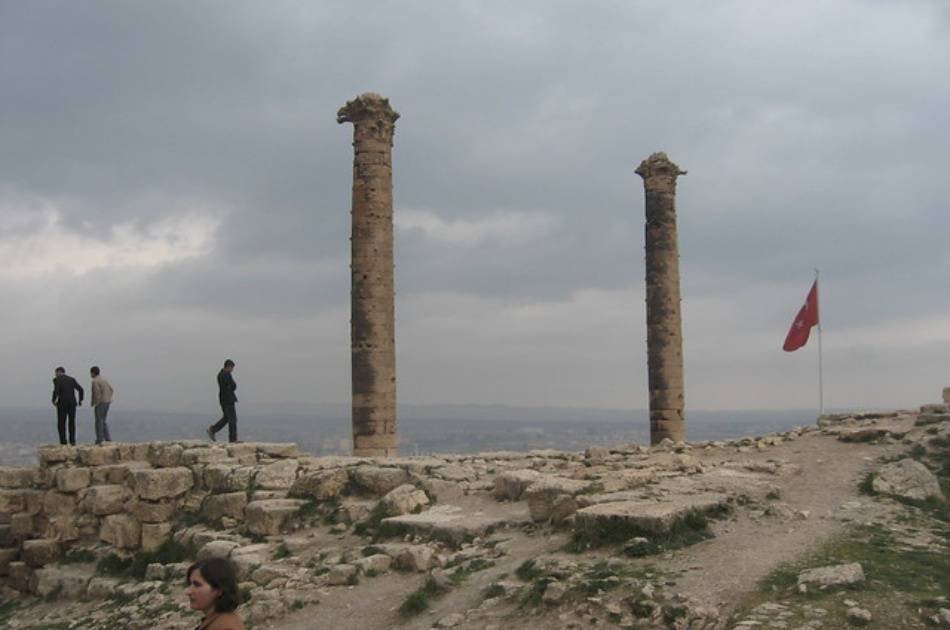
200,593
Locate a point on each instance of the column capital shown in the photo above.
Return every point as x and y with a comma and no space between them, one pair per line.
658,171
368,106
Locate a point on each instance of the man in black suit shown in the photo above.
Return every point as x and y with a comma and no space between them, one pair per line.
64,399
226,389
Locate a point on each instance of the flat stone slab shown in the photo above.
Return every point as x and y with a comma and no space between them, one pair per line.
620,520
832,576
451,523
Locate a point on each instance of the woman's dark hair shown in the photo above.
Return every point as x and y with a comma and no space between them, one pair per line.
220,574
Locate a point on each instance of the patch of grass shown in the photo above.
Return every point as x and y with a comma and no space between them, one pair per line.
372,524
527,571
7,608
245,595
418,600
309,510
282,551
493,590
867,485
297,604
917,452
461,573
114,565
371,550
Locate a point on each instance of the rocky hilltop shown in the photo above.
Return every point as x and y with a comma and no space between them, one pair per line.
826,526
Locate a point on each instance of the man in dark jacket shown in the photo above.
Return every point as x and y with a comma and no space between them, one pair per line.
64,399
226,389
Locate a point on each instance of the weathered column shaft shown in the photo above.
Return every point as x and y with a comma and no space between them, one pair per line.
372,301
664,325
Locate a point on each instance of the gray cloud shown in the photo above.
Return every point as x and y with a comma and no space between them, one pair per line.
804,149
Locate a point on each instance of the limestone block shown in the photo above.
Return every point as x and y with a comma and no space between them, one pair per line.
215,477
62,527
248,558
376,563
102,500
21,577
193,500
277,476
217,549
132,452
121,530
320,485
88,527
832,576
164,454
272,516
907,479
931,418
206,455
152,512
416,558
101,587
510,485
622,520
377,480
406,499
277,449
12,501
342,574
455,472
244,453
154,534
54,453
40,552
58,503
443,491
72,479
636,478
21,525
103,455
354,510
162,483
541,495
450,523
67,582
115,473
597,454
8,555
16,477
240,478
230,504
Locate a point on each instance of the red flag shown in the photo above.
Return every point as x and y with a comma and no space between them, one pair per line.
806,318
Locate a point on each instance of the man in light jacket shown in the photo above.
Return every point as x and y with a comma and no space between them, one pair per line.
101,399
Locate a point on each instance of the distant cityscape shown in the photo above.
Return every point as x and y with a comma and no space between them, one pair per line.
422,429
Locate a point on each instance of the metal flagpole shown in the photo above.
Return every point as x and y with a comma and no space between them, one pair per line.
821,383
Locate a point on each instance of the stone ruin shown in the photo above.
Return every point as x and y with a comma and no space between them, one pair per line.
347,519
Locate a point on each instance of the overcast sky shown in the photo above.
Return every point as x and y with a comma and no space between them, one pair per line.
175,190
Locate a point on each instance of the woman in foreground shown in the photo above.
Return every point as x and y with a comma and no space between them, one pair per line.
212,589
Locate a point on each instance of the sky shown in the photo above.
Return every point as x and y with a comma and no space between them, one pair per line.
175,190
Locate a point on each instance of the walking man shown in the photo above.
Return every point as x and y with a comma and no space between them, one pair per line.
101,399
226,389
64,399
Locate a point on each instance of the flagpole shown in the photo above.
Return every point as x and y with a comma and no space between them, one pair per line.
821,382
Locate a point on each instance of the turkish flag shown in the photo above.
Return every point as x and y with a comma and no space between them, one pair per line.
806,318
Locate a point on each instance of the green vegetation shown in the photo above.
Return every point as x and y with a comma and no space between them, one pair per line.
527,571
282,551
78,555
418,600
169,552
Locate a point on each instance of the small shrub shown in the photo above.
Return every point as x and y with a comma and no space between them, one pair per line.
493,590
527,571
282,551
867,485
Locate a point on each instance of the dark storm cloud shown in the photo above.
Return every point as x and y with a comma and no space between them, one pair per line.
814,135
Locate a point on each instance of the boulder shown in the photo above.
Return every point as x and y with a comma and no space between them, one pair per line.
230,504
204,455
320,485
121,530
152,511
542,496
162,483
277,476
16,477
101,587
72,479
406,499
21,577
217,549
341,574
102,455
510,485
215,477
66,582
277,449
443,491
103,500
418,558
622,520
271,516
54,453
40,552
154,534
838,575
164,454
907,479
448,523
376,563
377,480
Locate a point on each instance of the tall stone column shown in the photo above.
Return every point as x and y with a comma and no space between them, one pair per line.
664,324
372,308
